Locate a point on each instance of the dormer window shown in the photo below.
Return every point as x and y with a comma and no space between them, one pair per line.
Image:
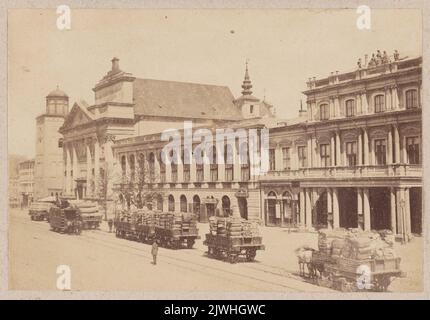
324,112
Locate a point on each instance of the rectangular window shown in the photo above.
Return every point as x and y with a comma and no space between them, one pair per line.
214,172
244,172
271,159
286,158
350,108
174,172
379,103
324,111
380,151
413,150
351,153
325,155
411,99
199,172
186,172
302,155
229,172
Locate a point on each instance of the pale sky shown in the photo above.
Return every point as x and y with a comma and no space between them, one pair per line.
284,48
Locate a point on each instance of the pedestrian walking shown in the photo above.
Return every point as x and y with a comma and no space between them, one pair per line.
110,224
154,252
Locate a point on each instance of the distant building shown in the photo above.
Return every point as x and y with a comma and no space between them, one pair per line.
13,174
48,168
26,182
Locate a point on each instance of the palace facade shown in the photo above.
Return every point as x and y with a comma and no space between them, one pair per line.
352,159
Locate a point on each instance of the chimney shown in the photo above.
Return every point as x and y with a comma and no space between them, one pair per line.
115,64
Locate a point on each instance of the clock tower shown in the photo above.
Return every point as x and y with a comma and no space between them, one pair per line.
48,171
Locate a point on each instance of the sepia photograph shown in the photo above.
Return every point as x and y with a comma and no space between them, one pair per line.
213,150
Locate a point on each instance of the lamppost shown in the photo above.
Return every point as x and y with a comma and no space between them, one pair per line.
402,207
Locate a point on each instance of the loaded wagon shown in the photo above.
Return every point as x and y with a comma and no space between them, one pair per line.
66,220
39,211
171,230
232,238
91,217
355,261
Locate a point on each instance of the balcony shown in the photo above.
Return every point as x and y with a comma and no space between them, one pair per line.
357,172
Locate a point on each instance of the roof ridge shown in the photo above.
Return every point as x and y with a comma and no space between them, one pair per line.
185,82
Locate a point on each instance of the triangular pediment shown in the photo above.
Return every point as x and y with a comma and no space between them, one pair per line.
78,116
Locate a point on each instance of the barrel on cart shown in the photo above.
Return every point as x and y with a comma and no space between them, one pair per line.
39,211
89,211
67,220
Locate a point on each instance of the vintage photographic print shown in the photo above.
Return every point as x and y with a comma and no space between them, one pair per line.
215,151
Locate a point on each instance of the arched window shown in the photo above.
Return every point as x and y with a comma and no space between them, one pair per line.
411,97
196,204
171,203
226,206
324,112
162,166
379,103
271,208
213,164
183,200
350,107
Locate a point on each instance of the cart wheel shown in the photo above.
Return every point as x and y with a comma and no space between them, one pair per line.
190,243
210,252
381,283
78,231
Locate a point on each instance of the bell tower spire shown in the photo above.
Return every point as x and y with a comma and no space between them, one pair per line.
246,85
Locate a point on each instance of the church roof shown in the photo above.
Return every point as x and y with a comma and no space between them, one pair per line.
183,99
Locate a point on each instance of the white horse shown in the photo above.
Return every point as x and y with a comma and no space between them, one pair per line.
304,257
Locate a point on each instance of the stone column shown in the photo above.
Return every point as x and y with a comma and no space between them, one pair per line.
408,213
180,169
388,102
390,147
366,209
206,168
294,161
404,151
360,149
75,170
337,106
332,151
97,167
193,171
309,150
338,154
396,145
308,208
89,165
336,222
399,210
359,206
365,148
68,167
329,206
395,99
332,108
393,210
302,207
359,104
109,160
364,104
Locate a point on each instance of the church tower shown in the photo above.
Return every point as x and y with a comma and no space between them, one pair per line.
48,169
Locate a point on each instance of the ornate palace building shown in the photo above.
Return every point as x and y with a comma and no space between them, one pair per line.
352,159
356,160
